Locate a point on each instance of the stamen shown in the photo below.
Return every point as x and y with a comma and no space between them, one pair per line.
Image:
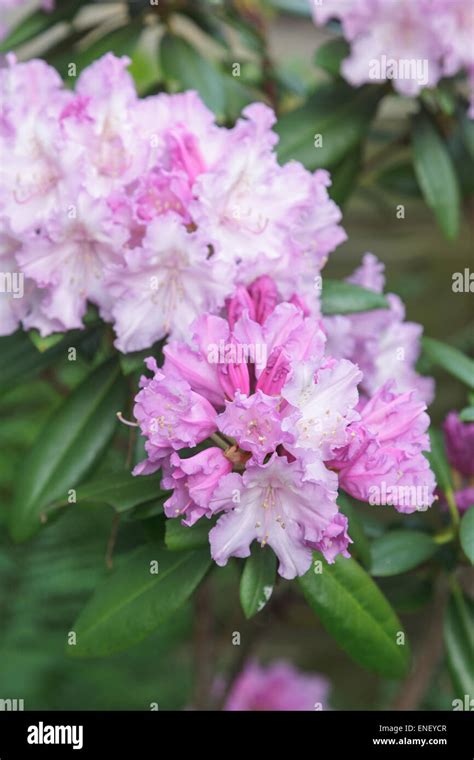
126,422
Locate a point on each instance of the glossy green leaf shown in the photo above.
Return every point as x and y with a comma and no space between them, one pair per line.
120,41
398,551
184,68
21,360
361,545
119,490
67,448
135,361
258,579
340,297
330,55
338,114
357,615
466,533
436,174
143,591
180,537
459,643
148,509
450,359
344,176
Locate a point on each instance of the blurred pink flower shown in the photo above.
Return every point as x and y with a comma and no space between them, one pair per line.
381,342
459,440
414,44
277,687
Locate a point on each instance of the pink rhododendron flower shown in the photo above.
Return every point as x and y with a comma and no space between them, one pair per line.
67,256
384,462
193,481
326,399
168,274
383,345
255,421
171,415
275,504
277,687
286,417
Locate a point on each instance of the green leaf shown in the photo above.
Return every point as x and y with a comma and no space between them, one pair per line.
148,509
330,55
467,131
119,490
450,359
258,579
43,344
335,111
400,550
344,176
39,22
357,615
466,533
237,96
21,361
67,448
436,175
459,643
467,414
438,461
400,178
361,546
462,159
345,298
181,537
135,361
120,41
144,69
184,68
136,598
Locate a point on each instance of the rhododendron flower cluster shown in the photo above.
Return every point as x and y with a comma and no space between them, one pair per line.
398,33
145,207
278,422
381,342
277,687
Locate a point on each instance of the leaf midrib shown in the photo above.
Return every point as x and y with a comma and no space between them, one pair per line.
367,615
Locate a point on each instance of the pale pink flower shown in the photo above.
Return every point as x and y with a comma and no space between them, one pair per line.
277,687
